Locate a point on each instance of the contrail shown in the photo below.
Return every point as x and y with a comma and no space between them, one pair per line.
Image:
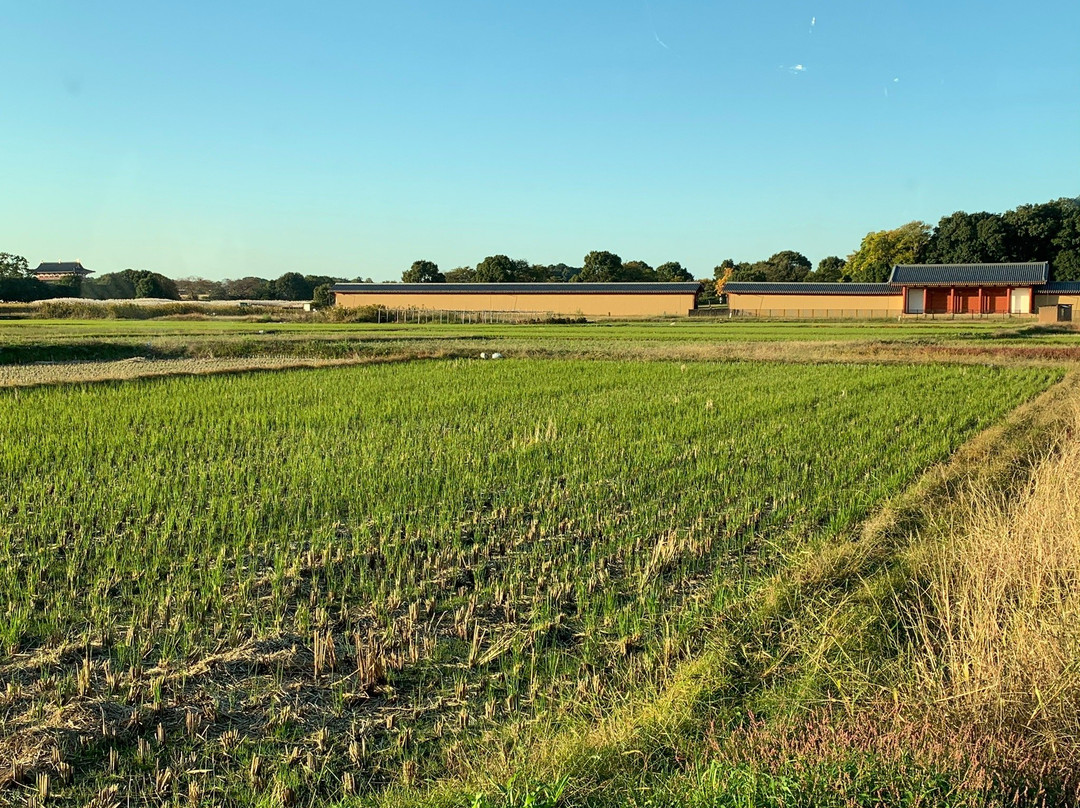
648,9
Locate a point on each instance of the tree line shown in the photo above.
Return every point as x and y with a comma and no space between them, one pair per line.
1045,232
1042,232
18,284
599,266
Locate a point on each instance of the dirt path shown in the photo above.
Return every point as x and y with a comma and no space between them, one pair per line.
66,372
47,373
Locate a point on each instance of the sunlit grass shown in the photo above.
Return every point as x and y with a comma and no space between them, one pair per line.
368,570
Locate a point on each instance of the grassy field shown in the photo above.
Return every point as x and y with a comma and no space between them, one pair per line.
354,583
26,341
674,329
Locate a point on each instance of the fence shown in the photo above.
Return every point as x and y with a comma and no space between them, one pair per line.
817,314
862,314
414,315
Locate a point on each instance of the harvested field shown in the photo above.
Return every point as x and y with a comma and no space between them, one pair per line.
305,586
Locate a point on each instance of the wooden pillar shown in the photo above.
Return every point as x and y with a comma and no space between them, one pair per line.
905,301
981,301
952,300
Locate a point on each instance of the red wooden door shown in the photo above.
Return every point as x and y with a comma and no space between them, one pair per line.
967,301
937,301
997,301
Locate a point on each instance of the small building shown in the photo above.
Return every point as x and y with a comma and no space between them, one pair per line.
60,269
558,299
912,289
969,288
1058,302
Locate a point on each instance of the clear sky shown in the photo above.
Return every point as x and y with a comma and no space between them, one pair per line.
229,138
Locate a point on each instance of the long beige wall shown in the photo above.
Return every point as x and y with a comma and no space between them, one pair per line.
1053,300
592,305
816,305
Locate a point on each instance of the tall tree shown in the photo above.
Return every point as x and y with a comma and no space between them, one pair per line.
636,271
600,266
291,286
967,238
787,266
672,272
321,296
197,288
831,270
745,271
129,283
13,266
1065,263
554,273
1034,228
461,275
423,272
247,288
881,250
497,269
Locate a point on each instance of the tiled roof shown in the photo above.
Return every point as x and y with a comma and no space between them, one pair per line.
1060,288
62,268
1031,274
520,288
760,288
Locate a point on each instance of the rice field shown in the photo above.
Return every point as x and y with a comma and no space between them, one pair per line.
323,583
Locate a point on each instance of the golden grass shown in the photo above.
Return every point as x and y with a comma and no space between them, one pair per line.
1000,624
138,368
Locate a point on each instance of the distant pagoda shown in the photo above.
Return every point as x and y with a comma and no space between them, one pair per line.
57,270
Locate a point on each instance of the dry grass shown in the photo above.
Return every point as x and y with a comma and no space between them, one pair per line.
138,368
1000,622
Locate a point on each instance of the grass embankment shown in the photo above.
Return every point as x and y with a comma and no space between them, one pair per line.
302,587
999,621
932,661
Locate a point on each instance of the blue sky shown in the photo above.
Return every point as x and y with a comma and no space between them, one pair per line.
231,139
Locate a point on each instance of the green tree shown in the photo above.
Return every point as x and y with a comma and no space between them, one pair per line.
600,266
1065,260
291,286
197,288
672,272
26,290
144,287
745,271
461,275
1034,228
787,266
883,249
13,266
423,272
967,238
1067,266
497,269
322,297
554,273
831,270
247,288
128,284
636,271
